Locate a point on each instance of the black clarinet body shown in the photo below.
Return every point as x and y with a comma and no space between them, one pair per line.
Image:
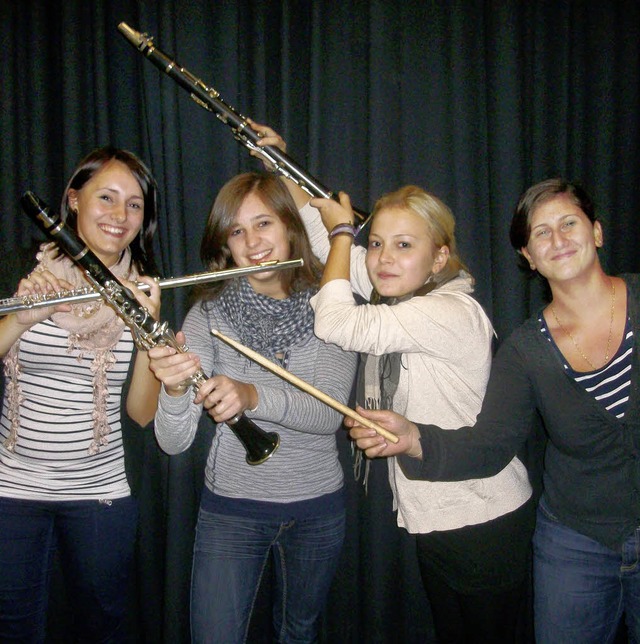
210,99
147,331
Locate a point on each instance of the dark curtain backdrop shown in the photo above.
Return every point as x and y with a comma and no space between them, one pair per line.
472,100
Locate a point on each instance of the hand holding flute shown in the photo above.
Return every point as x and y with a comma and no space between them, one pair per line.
43,298
13,326
40,283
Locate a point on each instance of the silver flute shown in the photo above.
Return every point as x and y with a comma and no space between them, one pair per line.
210,99
88,293
146,330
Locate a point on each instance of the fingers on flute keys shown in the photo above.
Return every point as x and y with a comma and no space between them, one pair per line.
41,283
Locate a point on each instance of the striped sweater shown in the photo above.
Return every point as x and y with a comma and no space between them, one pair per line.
51,459
306,464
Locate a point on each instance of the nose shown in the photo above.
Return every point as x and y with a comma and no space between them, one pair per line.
386,255
119,213
251,237
558,239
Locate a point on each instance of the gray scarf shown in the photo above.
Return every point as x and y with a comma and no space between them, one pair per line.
264,324
376,384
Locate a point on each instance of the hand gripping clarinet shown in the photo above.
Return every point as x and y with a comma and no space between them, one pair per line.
209,99
147,331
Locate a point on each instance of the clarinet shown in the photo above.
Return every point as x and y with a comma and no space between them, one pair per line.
147,331
210,99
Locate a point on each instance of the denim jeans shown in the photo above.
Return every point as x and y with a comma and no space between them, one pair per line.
230,555
581,588
95,541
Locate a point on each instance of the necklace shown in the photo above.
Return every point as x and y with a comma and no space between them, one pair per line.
576,345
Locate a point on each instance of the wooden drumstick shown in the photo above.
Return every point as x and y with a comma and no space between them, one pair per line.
305,386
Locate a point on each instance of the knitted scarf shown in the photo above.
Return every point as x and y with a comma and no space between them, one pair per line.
376,384
92,326
264,324
379,375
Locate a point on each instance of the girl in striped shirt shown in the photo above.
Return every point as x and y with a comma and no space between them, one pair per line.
62,478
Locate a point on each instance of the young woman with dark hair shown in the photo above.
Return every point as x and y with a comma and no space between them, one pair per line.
62,477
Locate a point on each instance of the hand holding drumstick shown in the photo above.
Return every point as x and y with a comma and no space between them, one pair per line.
306,387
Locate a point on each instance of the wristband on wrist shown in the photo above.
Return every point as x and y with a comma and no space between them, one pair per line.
342,229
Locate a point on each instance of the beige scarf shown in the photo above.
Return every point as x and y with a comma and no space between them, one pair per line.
92,326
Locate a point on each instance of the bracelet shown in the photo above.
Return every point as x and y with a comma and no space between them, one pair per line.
342,229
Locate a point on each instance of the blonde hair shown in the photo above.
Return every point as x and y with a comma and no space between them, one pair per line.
440,224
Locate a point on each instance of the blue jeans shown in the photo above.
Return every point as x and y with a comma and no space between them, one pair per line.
95,541
230,555
582,588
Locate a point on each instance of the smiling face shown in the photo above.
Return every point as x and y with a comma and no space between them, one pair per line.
258,235
110,211
401,254
563,241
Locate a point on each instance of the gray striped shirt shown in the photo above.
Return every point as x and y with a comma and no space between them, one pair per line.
51,459
306,463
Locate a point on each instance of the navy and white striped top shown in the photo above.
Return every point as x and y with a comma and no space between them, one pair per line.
51,459
609,385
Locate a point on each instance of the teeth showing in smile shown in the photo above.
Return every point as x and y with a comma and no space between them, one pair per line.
259,256
112,230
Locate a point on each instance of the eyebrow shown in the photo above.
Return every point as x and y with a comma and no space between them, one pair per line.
118,192
395,235
561,218
262,215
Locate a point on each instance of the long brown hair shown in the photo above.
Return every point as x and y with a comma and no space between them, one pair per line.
214,251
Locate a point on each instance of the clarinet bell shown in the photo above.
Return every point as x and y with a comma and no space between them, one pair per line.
258,444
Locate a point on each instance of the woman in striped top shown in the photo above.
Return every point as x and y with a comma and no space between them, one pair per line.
574,365
62,478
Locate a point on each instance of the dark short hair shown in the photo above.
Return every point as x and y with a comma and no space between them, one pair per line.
538,194
142,246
